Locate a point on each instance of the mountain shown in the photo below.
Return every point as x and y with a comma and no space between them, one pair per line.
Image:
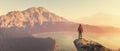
30,21
39,19
28,17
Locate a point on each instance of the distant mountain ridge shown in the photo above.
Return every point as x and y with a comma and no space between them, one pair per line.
102,19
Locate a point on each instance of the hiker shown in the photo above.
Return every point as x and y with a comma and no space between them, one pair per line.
78,42
80,30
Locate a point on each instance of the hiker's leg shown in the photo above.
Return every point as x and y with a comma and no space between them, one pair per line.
81,34
78,35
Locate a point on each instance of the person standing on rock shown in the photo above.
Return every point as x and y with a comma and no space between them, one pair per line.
80,30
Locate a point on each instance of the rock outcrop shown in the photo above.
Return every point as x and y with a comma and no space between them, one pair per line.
85,45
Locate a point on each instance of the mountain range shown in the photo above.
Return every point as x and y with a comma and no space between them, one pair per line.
39,20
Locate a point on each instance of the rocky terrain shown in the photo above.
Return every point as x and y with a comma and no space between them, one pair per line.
86,45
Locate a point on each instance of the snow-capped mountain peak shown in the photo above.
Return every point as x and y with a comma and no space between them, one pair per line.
29,17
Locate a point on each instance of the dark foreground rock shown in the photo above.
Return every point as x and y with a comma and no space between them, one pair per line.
85,45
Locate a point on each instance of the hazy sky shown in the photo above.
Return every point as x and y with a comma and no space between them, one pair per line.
71,9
